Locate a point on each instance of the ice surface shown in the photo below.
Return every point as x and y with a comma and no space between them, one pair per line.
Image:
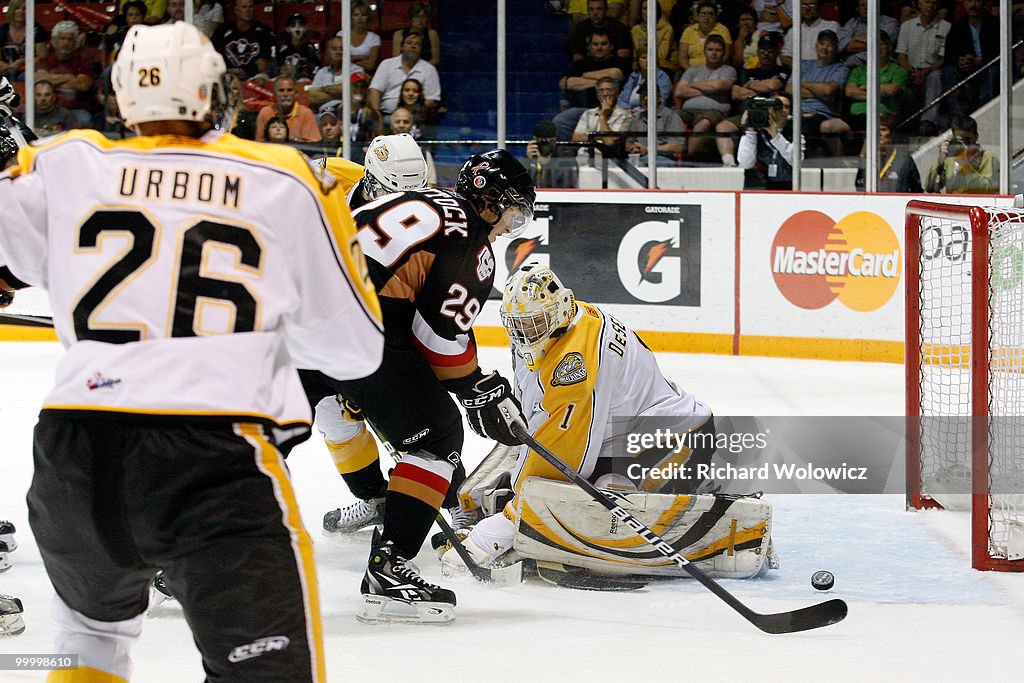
916,607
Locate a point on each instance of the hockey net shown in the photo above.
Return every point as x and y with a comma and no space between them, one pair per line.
965,371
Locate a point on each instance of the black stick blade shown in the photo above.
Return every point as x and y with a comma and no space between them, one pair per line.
804,619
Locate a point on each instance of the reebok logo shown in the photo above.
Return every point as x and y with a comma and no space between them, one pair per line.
258,647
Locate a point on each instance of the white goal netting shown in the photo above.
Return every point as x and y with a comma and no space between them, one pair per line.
946,348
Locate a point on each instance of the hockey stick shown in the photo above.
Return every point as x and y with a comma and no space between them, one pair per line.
26,320
804,619
499,576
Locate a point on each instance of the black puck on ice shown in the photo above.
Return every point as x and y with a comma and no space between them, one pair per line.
823,580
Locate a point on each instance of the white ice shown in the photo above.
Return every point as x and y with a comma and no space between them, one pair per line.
917,609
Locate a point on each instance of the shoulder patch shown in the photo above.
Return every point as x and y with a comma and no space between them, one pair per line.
484,263
570,370
324,177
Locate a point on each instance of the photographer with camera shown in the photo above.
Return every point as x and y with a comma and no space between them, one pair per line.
765,151
546,168
963,167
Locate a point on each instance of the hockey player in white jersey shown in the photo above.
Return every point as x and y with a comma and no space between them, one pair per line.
189,273
585,380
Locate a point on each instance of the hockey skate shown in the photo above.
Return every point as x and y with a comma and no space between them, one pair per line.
352,518
394,591
7,535
11,623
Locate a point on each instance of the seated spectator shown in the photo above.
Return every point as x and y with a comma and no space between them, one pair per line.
773,16
629,98
175,11
298,117
578,85
704,92
892,83
598,21
108,121
71,70
132,13
419,22
666,48
424,118
743,52
51,118
607,116
897,170
963,166
767,79
694,37
328,81
853,36
766,154
208,16
577,9
244,124
669,129
247,44
155,10
364,48
386,86
972,41
919,51
275,130
298,57
546,166
366,124
813,25
328,120
12,41
821,91
402,122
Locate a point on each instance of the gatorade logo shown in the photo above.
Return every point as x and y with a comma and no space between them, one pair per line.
816,260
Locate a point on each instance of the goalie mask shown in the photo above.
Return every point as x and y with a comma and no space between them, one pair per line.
536,309
394,163
170,72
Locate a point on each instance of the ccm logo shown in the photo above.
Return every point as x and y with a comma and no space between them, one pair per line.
257,648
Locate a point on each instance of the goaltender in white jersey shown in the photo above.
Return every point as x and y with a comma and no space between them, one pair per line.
189,273
585,382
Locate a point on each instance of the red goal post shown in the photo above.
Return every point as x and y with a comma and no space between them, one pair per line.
964,399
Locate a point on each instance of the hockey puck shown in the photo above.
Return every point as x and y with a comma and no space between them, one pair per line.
823,580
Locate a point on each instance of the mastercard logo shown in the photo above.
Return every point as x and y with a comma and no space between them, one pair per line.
816,260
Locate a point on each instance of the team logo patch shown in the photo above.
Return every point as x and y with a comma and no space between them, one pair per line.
98,381
570,370
382,152
479,181
484,264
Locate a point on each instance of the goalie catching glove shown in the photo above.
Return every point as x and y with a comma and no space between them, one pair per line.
491,408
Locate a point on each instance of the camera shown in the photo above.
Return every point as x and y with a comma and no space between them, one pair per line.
546,147
759,111
957,145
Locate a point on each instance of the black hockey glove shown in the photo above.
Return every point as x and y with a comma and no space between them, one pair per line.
491,408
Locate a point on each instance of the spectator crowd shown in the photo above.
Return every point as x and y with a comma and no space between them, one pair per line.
713,61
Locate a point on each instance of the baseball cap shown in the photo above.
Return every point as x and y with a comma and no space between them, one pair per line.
545,129
768,39
295,18
360,77
830,35
331,108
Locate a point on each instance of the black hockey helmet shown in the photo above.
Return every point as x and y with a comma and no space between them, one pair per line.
498,181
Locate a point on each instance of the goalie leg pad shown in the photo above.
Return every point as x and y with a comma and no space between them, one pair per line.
725,536
493,473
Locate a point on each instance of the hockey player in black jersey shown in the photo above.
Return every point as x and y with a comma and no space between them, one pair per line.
431,262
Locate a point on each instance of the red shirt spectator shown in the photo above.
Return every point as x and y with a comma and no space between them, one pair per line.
69,68
301,121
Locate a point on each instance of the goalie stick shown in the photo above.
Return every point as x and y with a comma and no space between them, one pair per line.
499,576
804,619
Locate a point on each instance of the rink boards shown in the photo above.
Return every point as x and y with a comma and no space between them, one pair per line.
800,275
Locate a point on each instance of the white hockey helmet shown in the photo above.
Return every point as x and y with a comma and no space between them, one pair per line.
536,308
169,72
394,163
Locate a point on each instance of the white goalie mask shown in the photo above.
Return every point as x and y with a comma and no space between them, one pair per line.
168,72
394,163
536,308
